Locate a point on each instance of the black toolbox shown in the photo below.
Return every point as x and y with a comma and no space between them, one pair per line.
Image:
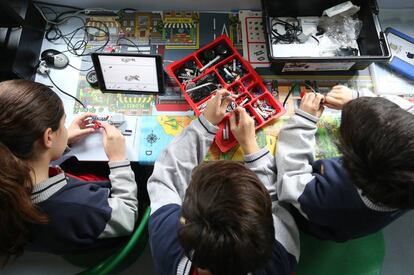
372,42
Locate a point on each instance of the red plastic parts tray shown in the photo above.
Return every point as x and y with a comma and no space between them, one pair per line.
247,85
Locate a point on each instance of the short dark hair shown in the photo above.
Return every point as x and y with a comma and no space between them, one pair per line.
377,143
227,224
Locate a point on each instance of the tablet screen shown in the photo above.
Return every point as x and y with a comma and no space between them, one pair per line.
129,73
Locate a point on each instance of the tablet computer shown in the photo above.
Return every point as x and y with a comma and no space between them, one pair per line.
129,73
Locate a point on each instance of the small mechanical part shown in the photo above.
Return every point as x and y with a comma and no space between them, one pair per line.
189,85
244,101
200,86
209,54
410,55
231,107
226,131
275,88
116,119
222,49
209,64
127,132
188,71
92,79
92,122
232,71
264,109
201,91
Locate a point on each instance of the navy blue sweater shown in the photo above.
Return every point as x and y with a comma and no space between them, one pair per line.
325,202
84,215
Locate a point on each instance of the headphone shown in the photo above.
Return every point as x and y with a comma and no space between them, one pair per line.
52,58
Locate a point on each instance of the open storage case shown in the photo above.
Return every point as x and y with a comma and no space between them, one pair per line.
225,68
372,42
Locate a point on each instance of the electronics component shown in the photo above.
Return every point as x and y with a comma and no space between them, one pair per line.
55,58
129,73
92,79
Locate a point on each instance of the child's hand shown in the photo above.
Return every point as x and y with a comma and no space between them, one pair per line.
78,129
244,130
113,142
338,97
216,106
312,104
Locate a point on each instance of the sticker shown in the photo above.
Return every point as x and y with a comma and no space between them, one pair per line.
301,67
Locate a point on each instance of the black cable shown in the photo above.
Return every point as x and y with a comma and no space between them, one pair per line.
292,31
81,70
317,40
57,87
129,40
78,47
289,93
310,87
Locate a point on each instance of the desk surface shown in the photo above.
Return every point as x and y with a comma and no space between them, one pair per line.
155,120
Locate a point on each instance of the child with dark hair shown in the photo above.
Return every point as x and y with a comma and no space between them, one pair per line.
42,208
369,186
220,217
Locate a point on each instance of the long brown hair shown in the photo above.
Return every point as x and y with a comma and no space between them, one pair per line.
27,109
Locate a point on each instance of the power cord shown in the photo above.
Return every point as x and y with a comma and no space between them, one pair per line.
57,87
81,70
292,31
129,40
289,93
75,47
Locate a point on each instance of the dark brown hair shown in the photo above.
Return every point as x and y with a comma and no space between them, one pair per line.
27,109
377,143
227,224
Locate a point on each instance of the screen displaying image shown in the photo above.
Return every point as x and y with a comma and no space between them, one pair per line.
129,73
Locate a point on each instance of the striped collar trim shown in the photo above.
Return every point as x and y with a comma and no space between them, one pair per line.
373,206
184,266
48,188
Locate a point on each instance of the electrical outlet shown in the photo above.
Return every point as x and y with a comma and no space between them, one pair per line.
255,30
258,53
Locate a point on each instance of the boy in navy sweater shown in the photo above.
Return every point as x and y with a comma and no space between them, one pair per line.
371,185
221,217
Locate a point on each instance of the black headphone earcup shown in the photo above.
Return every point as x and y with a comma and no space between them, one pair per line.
49,59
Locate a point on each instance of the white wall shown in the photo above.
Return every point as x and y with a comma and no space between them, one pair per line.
201,5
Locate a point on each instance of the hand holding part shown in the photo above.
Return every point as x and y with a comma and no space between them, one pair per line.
217,105
113,142
79,128
311,103
243,129
338,97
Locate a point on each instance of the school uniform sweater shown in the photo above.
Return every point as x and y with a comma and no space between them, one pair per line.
167,187
325,201
84,214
